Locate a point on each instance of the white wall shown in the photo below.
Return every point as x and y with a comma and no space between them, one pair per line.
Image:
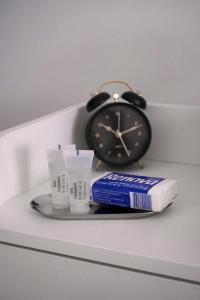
54,53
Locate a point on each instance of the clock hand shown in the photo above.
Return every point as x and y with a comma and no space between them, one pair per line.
119,135
131,129
118,121
107,128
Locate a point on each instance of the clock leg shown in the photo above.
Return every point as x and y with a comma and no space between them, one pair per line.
98,164
140,164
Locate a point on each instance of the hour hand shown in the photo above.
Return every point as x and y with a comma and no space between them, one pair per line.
107,128
131,129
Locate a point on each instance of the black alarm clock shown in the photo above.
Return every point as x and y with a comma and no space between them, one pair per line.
118,132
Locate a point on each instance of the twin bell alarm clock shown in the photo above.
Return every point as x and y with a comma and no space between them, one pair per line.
118,131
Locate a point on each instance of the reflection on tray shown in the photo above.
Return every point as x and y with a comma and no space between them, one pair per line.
111,209
43,205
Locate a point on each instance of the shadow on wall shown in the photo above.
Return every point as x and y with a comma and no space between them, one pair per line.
80,124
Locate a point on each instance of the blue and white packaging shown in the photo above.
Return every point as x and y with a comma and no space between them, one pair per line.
133,191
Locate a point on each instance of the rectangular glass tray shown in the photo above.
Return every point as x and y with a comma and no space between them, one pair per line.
43,205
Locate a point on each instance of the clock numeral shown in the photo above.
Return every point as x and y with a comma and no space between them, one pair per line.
129,152
118,146
97,135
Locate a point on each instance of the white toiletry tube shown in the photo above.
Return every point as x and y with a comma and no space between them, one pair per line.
58,178
79,170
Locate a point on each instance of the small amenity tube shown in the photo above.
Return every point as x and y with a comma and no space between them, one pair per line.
58,178
78,169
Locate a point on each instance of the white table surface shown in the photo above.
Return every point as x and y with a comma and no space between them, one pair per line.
167,244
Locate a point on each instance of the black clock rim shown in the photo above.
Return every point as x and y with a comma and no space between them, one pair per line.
118,164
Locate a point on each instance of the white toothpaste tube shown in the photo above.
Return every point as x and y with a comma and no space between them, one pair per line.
78,169
58,178
134,191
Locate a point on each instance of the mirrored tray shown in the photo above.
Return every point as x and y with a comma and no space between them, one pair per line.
43,205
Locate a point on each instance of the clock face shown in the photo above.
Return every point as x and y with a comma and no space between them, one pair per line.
119,134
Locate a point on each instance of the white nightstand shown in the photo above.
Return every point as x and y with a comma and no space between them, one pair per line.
151,258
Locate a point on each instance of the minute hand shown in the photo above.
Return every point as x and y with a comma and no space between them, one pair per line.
131,129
